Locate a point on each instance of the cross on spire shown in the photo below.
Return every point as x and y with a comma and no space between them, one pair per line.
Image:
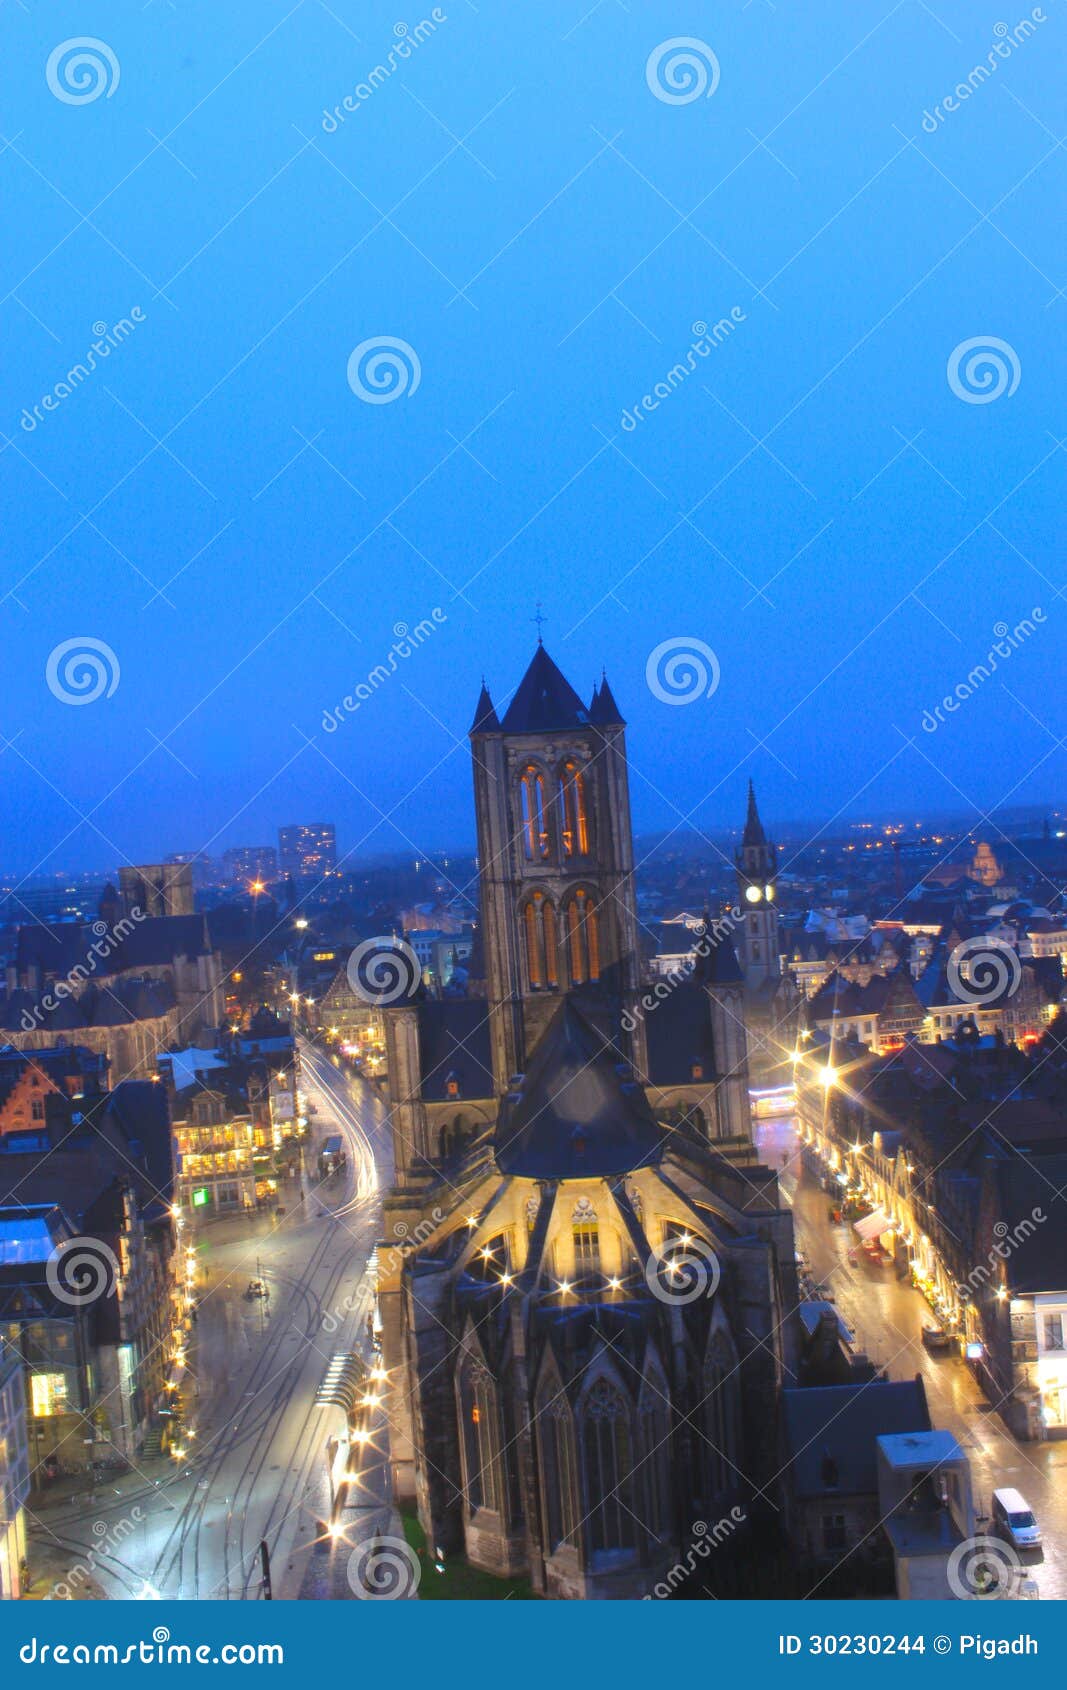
540,620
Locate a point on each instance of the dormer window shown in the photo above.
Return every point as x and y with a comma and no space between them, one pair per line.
452,1086
696,1071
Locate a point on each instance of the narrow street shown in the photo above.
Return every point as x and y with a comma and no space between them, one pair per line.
887,1316
254,1465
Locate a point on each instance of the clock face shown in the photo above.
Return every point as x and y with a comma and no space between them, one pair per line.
768,893
753,894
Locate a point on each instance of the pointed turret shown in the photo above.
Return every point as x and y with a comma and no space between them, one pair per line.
486,720
604,711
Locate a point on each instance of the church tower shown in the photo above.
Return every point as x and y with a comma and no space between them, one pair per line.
757,884
555,864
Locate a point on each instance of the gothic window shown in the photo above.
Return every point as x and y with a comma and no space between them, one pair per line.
480,1413
542,954
607,1459
655,1428
555,1432
582,938
720,1418
574,823
534,825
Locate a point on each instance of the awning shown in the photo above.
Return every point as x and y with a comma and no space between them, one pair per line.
873,1225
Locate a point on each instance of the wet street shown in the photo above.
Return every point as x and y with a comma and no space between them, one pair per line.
887,1317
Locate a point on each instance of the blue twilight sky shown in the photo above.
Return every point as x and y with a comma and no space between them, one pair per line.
830,500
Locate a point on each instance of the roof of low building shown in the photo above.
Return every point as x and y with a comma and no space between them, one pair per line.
831,1432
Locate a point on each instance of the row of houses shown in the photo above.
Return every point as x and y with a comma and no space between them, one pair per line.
955,1158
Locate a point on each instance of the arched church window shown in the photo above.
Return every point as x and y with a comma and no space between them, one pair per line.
534,825
655,1429
559,1476
574,821
607,1457
542,949
720,1441
583,938
480,1411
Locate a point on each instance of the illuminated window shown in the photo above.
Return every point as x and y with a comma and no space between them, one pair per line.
48,1394
574,826
583,940
542,953
481,1438
534,826
555,1431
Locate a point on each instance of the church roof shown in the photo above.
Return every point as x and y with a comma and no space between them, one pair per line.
577,1111
545,701
753,834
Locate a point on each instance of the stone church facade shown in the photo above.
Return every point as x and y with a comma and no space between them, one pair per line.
585,1348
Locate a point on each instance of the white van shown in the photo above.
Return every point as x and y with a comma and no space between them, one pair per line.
1014,1519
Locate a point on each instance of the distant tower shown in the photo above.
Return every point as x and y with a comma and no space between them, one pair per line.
555,861
757,884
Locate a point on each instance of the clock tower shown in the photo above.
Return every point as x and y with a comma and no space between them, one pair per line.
757,884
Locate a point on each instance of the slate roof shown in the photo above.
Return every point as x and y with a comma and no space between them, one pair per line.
545,701
578,1112
835,1427
678,1032
454,1042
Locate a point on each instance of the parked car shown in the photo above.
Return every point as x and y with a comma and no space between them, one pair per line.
936,1340
1013,1518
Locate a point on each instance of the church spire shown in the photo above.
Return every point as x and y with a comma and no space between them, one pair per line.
753,834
